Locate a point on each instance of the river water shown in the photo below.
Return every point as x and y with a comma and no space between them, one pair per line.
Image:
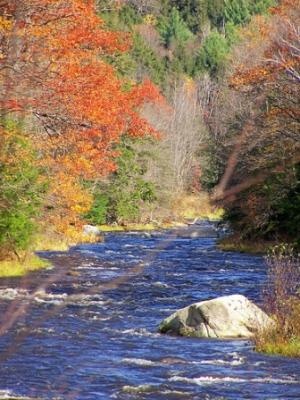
87,329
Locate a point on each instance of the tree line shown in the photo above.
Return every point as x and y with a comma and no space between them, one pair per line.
63,111
87,136
230,71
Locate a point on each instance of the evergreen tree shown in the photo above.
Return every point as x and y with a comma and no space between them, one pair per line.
173,29
237,11
213,53
216,12
193,12
121,199
20,190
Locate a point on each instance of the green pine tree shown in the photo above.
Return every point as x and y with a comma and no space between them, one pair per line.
174,29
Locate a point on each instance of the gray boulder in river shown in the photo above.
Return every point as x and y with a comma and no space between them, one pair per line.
91,230
224,317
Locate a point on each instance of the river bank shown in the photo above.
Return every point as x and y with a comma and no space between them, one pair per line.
234,242
271,342
185,211
109,299
29,261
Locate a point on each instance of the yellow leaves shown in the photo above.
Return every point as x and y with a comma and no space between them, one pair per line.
5,24
285,6
38,31
75,95
247,77
12,147
270,45
262,25
189,85
150,19
69,200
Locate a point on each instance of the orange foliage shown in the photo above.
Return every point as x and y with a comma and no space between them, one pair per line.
52,71
282,36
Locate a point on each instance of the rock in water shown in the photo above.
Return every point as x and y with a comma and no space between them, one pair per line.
91,230
224,317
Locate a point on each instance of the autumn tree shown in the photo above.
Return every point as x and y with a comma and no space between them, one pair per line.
53,76
263,146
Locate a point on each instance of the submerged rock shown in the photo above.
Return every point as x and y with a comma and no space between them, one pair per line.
224,317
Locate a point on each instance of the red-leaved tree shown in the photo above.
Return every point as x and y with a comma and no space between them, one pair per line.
53,76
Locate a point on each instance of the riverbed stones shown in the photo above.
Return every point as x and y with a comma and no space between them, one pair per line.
224,317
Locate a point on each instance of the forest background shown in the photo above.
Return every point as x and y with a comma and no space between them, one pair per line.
147,111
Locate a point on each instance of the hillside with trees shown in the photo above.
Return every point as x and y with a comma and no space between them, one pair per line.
114,111
230,72
56,130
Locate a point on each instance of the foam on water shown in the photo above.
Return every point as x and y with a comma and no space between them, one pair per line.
43,297
101,341
8,395
213,380
161,285
140,332
150,363
140,388
13,293
232,363
175,393
49,298
140,361
236,360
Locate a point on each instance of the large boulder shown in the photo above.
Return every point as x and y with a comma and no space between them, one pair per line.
224,317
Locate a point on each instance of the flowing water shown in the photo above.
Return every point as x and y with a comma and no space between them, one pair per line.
87,329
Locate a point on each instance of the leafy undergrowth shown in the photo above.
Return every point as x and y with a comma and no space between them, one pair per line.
14,268
175,213
282,301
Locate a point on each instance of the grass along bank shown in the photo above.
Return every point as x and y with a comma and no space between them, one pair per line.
16,268
140,227
273,344
235,243
282,302
192,206
28,261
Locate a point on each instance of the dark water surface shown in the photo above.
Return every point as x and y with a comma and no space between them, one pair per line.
87,329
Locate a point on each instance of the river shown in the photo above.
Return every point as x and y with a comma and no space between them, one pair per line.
87,329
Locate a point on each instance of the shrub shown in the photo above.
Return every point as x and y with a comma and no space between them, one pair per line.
282,302
240,11
98,213
237,11
283,284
